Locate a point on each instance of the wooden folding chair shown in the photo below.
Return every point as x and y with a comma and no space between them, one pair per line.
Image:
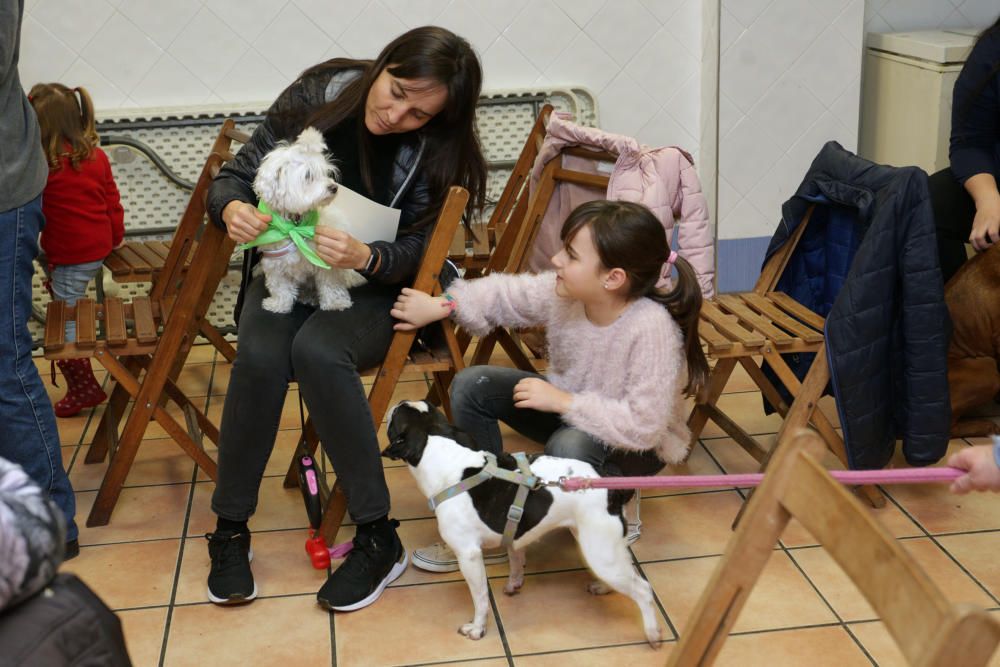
736,328
144,343
440,356
163,263
928,629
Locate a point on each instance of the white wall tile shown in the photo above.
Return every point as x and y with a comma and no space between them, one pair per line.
583,62
74,21
980,13
910,14
106,52
169,83
505,67
375,27
252,79
248,18
465,20
622,28
663,130
293,42
162,21
828,66
541,32
44,57
625,106
662,65
224,48
685,26
786,110
104,94
499,14
746,154
580,11
414,13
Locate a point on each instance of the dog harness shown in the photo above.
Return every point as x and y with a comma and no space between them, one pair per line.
523,477
281,227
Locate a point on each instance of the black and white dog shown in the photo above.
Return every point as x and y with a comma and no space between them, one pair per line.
440,455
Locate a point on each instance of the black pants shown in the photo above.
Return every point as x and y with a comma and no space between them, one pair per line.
322,351
954,211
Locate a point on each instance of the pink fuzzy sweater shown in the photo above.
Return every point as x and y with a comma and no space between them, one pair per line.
626,378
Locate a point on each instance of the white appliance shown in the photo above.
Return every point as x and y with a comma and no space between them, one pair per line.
906,96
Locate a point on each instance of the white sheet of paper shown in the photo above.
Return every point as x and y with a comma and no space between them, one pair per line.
365,219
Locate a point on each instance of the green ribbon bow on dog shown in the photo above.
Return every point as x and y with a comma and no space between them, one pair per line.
281,227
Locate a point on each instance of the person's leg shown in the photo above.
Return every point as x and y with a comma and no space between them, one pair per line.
483,396
327,354
250,418
69,283
954,211
572,443
28,436
254,399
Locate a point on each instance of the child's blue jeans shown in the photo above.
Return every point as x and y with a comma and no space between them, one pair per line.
69,283
28,434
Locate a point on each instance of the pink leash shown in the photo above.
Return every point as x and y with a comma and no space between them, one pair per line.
900,476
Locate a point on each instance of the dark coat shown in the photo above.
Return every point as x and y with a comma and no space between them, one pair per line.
868,263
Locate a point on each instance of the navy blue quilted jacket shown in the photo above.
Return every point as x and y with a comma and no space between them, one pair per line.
868,263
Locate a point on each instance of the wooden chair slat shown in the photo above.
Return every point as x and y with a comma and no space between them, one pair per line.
728,326
114,322
86,324
161,248
151,258
55,326
716,341
779,317
130,254
117,264
796,309
748,317
145,326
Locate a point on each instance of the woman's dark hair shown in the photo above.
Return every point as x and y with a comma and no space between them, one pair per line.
66,119
453,155
628,236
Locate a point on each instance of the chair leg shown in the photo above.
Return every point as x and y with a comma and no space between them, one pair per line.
716,383
106,437
333,516
218,341
311,444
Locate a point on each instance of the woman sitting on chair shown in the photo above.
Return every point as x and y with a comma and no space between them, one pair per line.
401,129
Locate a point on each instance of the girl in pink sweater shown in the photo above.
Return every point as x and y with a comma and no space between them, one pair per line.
622,354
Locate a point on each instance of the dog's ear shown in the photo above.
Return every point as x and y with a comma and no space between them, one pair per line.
407,445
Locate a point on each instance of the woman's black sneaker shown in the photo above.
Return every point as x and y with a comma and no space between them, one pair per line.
376,560
230,580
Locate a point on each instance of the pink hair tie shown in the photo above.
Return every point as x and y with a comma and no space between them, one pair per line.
672,258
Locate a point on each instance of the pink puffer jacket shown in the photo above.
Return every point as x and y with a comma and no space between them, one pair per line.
663,179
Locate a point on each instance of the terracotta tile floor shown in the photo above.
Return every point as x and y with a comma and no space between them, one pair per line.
150,565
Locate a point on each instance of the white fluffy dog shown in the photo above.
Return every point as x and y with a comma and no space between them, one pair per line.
296,180
440,456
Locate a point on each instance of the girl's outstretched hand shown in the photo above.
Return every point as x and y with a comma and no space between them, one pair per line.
983,473
415,309
537,394
243,221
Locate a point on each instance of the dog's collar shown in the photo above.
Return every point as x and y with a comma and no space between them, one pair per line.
523,477
281,227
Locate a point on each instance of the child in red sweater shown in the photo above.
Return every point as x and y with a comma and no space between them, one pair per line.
84,219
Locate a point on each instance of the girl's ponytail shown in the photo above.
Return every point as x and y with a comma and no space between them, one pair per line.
683,303
87,116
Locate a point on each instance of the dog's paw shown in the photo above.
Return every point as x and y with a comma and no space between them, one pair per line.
472,631
653,637
275,305
598,588
513,587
